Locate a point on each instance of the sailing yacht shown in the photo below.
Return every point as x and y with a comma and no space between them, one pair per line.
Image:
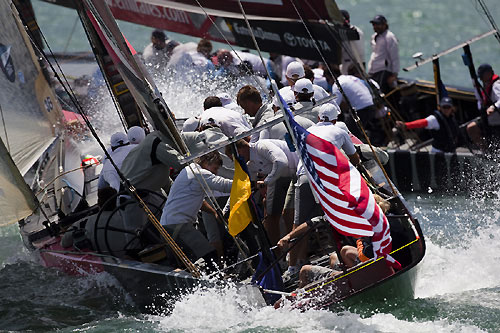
63,198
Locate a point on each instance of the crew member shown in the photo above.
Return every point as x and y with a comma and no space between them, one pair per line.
353,51
120,147
490,101
274,160
249,99
148,165
160,49
443,126
294,72
304,96
185,201
360,98
279,131
305,204
383,66
229,121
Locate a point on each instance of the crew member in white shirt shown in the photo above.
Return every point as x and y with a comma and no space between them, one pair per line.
360,98
278,131
185,200
254,60
274,160
249,99
294,72
120,147
383,66
305,204
229,121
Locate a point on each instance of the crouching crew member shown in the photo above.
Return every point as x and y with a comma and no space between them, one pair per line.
185,200
442,123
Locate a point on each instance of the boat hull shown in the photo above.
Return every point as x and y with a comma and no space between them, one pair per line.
422,171
150,286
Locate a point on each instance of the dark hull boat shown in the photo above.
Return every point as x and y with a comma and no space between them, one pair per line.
66,189
368,281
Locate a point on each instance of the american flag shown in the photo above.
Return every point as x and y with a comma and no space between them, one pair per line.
346,200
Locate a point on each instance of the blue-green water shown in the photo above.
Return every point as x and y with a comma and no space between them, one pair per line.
427,26
458,285
457,289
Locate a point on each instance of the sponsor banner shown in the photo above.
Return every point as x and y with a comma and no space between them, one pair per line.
290,38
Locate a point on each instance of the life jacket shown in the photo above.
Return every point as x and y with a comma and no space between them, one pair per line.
446,138
365,249
485,95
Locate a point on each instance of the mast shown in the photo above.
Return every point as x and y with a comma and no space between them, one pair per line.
119,91
133,72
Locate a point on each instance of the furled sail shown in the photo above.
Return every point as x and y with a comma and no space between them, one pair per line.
276,23
28,107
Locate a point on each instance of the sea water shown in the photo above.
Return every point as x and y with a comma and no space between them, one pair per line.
457,286
457,289
427,26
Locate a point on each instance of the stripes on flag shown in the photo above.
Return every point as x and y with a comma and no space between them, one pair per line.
347,202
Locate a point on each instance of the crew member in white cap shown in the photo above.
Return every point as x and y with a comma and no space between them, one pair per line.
304,96
273,160
278,131
191,124
135,135
227,102
294,72
120,147
305,205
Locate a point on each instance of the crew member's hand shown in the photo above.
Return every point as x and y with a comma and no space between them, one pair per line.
283,242
392,80
400,124
490,110
262,187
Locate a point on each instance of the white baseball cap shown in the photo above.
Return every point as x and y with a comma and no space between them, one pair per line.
288,97
118,139
303,86
295,70
328,112
225,98
135,135
191,124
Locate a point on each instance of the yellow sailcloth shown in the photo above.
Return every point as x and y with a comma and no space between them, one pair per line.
239,215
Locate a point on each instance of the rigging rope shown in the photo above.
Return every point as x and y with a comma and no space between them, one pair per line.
376,93
230,46
189,265
490,18
351,109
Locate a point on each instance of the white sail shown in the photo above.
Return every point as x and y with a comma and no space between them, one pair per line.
16,198
28,108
